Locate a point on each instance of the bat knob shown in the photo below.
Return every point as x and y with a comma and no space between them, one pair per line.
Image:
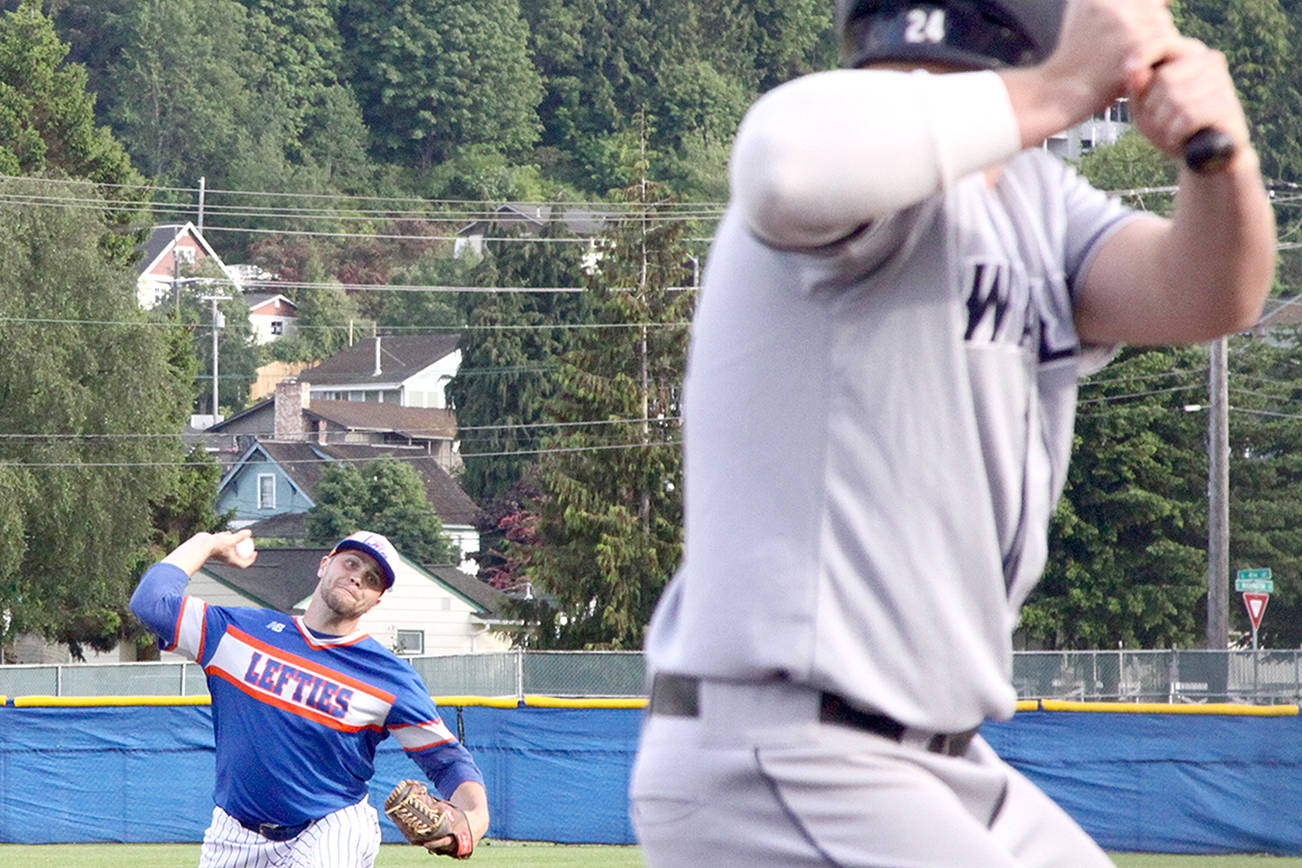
1208,150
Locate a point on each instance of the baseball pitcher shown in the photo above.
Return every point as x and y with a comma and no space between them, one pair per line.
879,409
299,706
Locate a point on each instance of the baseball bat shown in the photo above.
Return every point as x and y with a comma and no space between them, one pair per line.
1208,150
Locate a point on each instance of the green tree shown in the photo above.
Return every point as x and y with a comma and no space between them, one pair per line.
47,122
301,97
437,76
510,349
610,515
80,398
1266,479
386,496
1258,38
692,66
245,94
177,91
1127,560
237,357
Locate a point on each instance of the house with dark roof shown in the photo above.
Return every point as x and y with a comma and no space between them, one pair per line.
274,482
527,218
294,414
429,609
405,370
172,255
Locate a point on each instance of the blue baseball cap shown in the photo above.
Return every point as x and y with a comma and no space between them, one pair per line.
375,545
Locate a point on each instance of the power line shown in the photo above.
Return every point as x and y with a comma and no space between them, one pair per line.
433,330
559,450
517,426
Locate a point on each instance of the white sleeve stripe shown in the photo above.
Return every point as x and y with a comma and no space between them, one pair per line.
190,628
422,735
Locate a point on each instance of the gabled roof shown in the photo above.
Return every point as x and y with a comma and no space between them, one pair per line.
304,462
580,221
279,579
282,578
162,237
533,215
415,422
256,299
401,357
487,600
286,525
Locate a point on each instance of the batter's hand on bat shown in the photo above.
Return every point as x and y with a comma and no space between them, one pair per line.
1107,49
1189,90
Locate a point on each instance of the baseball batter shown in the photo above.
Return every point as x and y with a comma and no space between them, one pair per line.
879,411
299,705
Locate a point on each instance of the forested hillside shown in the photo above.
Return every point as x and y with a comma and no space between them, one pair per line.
344,147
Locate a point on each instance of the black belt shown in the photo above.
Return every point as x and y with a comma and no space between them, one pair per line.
679,696
274,831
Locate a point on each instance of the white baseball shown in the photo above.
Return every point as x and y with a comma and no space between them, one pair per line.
244,548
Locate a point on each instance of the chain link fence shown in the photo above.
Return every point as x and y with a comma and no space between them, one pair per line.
1256,677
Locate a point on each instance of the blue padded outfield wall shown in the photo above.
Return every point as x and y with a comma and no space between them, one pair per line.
1159,782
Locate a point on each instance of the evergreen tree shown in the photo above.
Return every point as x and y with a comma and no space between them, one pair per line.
1265,385
610,515
1127,553
510,348
386,496
1257,37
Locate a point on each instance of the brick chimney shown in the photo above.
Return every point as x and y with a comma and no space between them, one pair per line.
293,396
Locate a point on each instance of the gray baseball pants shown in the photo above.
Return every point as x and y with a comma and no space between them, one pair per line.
757,778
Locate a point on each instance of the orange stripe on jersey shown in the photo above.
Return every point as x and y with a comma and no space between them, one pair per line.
299,686
316,668
323,719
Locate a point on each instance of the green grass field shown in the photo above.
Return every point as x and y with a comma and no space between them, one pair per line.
491,854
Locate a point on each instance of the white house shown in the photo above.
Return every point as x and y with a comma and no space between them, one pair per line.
172,255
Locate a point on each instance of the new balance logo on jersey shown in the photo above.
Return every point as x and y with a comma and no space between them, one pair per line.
1002,310
298,686
276,626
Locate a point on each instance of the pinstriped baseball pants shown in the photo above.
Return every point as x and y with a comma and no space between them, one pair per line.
347,838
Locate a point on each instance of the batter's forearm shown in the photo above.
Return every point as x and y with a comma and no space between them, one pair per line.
1202,274
1221,252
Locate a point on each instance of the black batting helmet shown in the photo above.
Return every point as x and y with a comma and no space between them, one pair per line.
971,34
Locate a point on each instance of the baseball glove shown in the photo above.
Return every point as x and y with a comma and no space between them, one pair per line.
422,818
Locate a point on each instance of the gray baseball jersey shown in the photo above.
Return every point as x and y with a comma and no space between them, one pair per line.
876,434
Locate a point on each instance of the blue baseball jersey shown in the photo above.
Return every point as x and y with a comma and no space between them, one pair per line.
296,716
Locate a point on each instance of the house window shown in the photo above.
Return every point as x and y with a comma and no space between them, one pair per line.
411,642
266,491
277,327
184,254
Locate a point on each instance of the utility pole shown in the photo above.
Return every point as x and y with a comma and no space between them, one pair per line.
217,322
1218,501
203,187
